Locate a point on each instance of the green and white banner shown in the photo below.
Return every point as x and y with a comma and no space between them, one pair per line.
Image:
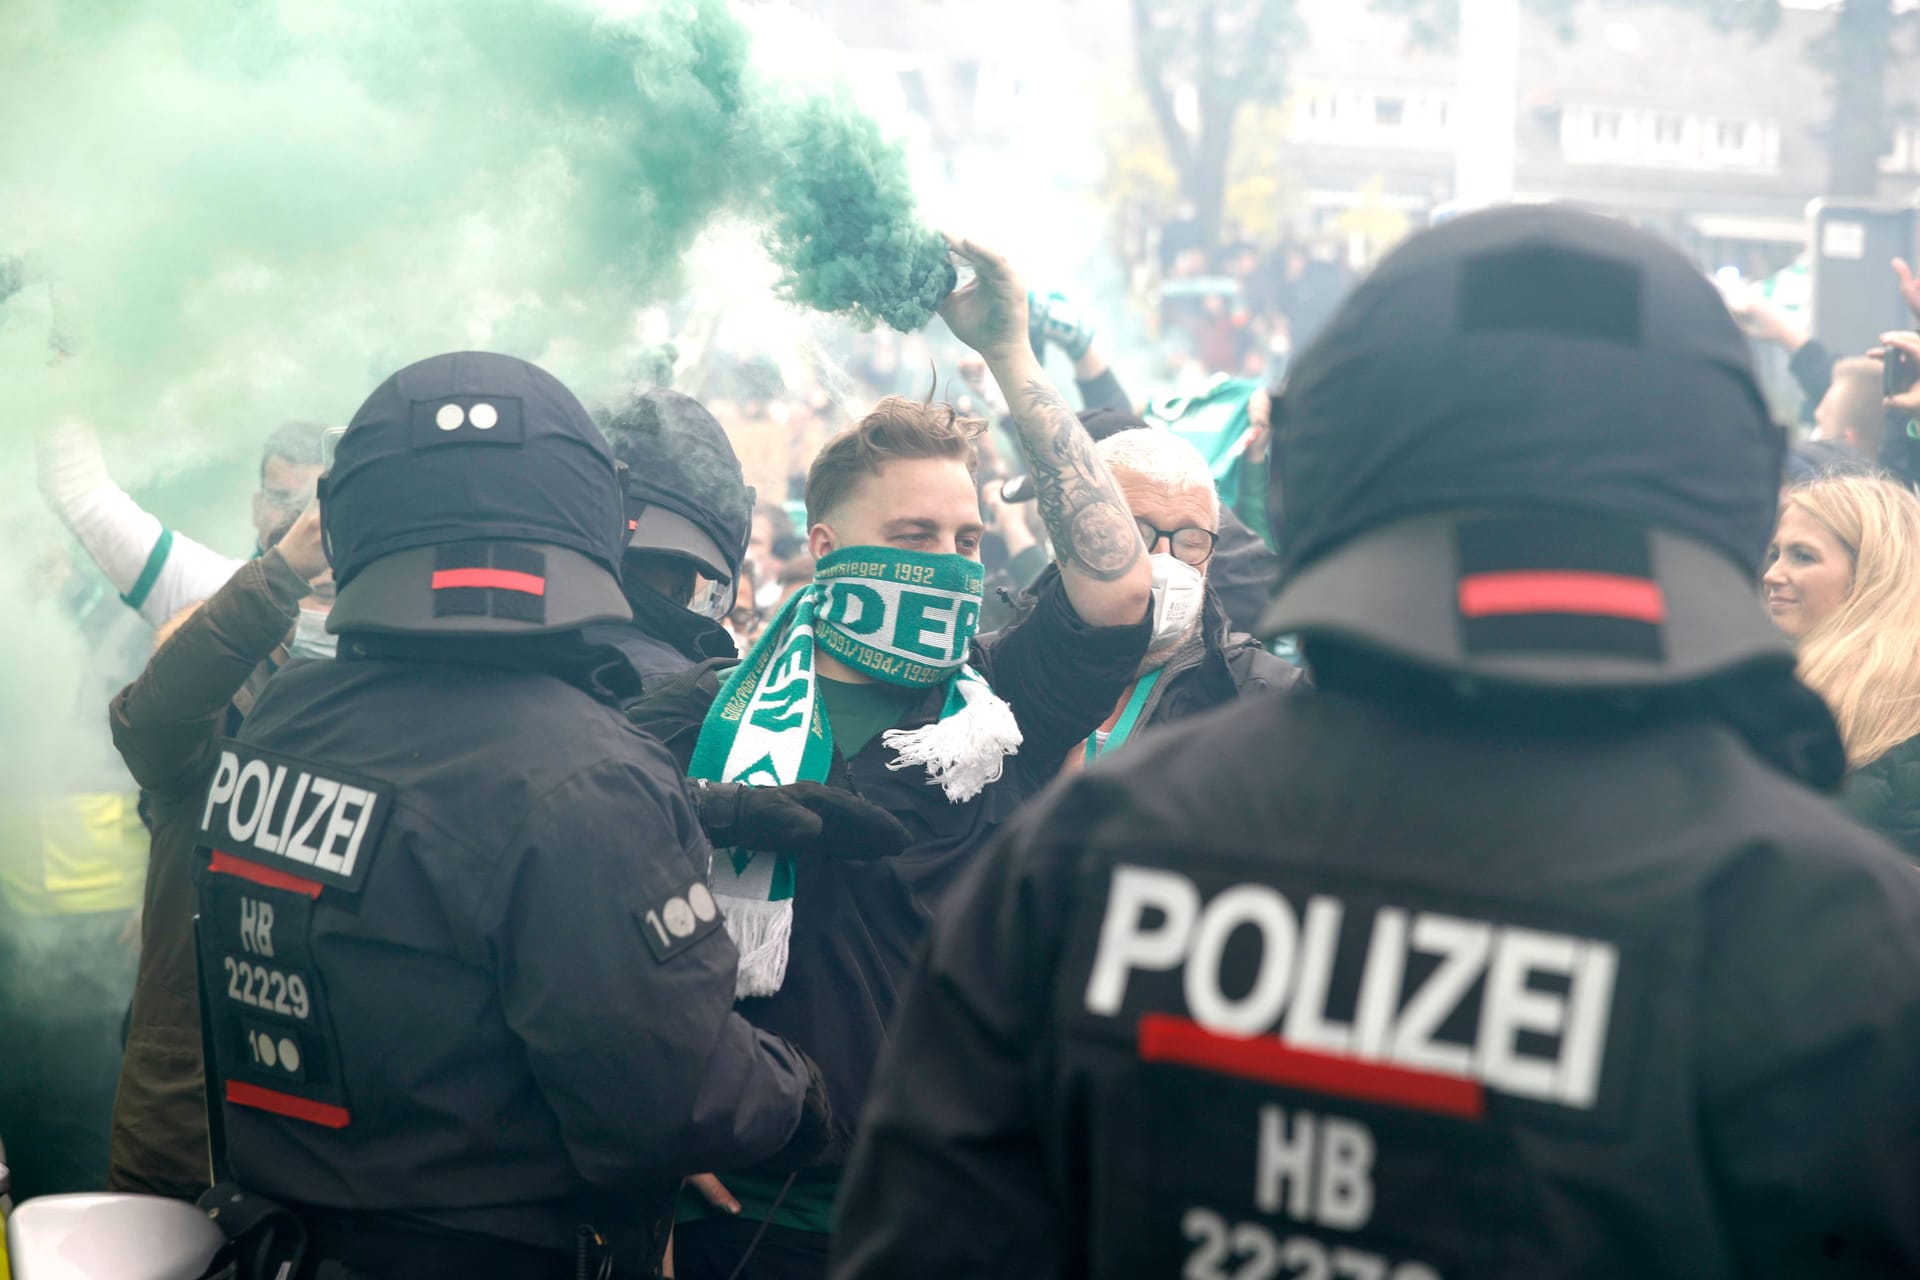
1215,421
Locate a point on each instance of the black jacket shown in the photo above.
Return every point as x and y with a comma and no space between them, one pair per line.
1201,676
167,725
1242,571
1375,992
1008,579
520,1017
1813,459
663,640
856,925
1885,795
1227,665
1812,367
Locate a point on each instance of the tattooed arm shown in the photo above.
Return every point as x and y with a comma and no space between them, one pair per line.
1102,561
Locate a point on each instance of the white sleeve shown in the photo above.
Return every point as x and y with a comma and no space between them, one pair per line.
155,570
190,573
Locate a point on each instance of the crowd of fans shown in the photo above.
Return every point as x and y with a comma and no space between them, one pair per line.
1243,309
1123,555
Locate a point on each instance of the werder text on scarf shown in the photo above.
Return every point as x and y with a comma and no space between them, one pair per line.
904,617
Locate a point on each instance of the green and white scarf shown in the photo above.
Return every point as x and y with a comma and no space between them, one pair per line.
900,616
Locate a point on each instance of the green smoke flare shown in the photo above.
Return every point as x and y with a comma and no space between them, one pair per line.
253,209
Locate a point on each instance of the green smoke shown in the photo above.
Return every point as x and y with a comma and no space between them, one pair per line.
843,225
249,210
217,215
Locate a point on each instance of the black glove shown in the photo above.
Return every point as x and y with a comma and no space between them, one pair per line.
812,1140
800,818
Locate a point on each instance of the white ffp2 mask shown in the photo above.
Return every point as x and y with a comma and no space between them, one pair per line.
311,639
1179,594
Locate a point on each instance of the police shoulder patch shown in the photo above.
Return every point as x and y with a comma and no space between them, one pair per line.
304,819
674,924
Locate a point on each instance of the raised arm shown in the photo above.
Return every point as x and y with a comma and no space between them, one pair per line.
155,570
167,721
1053,318
1102,560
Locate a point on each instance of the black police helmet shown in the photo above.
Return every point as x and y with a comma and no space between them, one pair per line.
1530,447
472,494
686,496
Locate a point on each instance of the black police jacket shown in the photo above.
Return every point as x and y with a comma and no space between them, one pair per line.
462,960
663,640
1320,988
856,925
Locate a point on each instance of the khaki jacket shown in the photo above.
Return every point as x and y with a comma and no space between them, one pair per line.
166,724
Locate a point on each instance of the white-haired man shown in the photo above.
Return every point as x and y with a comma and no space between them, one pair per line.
1195,660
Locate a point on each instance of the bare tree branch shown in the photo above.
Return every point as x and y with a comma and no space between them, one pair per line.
1228,53
1148,48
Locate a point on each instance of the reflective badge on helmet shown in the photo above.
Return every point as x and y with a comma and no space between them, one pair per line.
489,580
466,420
1558,584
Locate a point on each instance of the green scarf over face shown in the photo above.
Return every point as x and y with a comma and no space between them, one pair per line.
900,616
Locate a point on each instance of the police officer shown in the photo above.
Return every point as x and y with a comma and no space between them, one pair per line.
1520,947
469,995
689,511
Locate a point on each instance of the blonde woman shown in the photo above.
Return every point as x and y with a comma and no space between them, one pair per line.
1843,580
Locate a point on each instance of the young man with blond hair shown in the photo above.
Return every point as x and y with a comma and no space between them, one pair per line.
871,681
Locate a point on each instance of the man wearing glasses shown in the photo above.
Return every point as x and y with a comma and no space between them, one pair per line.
158,571
1195,660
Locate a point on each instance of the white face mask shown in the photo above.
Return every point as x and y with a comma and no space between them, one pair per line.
1179,594
311,639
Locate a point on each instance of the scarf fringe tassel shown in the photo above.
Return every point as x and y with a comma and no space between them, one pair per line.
963,751
761,930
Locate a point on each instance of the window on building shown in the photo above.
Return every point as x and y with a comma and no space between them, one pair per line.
1904,155
1597,136
1743,144
913,84
1362,117
1593,135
